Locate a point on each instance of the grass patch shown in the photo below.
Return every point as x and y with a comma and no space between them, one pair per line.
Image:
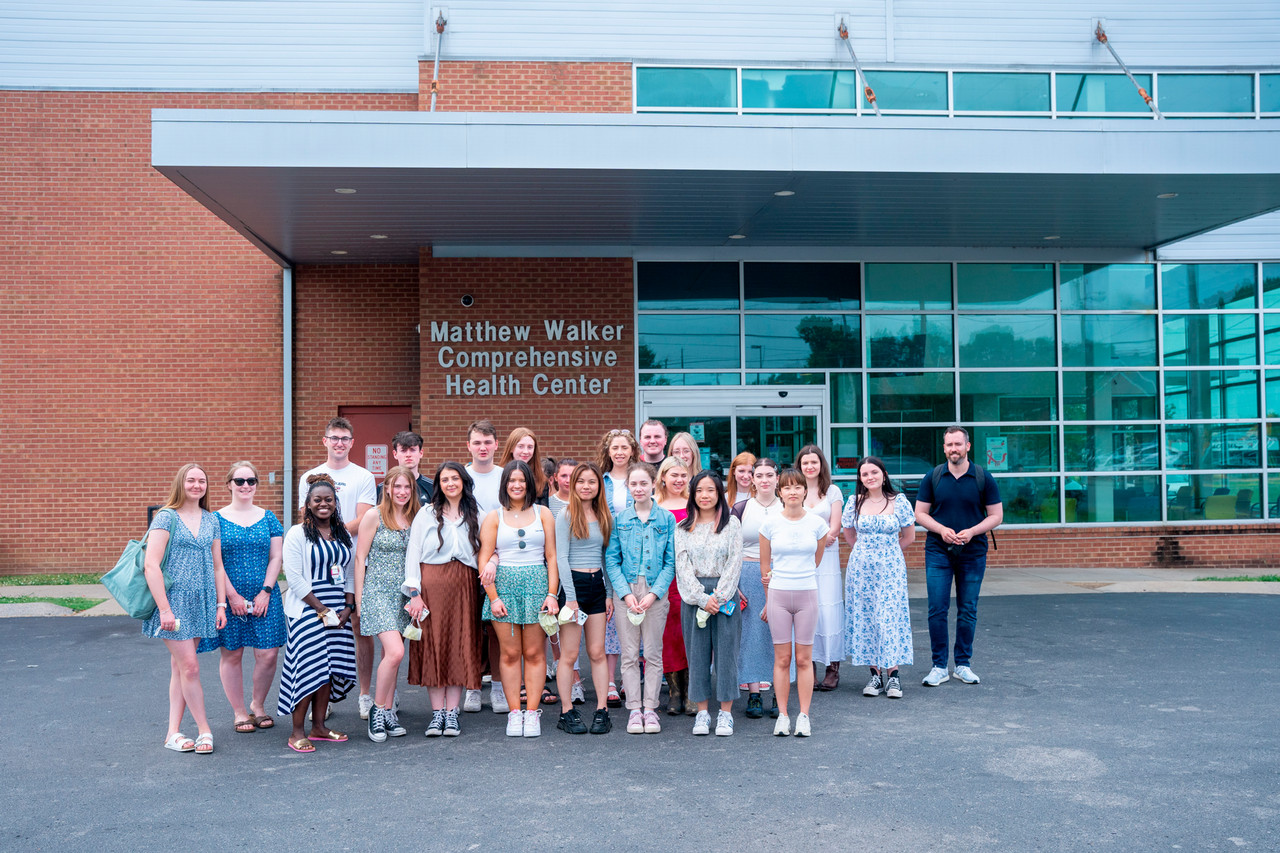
1264,578
64,579
76,604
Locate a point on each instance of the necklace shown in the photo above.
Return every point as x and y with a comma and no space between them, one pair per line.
769,505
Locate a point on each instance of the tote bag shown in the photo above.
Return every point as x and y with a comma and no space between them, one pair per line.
127,582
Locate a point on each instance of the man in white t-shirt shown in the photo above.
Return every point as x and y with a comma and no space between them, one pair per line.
357,493
653,442
482,444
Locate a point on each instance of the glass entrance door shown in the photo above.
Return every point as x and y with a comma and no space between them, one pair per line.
726,422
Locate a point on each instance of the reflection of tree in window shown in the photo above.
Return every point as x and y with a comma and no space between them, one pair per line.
1001,346
830,344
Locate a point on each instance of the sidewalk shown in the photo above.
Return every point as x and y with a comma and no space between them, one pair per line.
1003,581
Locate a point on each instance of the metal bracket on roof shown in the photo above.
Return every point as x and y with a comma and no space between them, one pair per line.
843,29
1101,35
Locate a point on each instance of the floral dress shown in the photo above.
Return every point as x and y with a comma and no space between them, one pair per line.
877,617
193,598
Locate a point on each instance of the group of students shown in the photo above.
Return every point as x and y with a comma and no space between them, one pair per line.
664,569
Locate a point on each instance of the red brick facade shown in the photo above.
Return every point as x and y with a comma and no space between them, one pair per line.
532,87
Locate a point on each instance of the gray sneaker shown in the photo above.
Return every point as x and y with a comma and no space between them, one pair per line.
451,727
471,704
967,675
937,675
436,727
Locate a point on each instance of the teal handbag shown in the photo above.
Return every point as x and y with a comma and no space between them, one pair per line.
127,582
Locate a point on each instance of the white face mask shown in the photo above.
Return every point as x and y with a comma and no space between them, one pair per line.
549,623
636,618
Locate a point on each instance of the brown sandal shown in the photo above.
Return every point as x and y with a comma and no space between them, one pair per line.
263,721
246,727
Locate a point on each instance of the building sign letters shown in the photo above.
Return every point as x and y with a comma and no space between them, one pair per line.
561,348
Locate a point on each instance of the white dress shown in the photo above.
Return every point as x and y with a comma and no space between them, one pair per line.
828,639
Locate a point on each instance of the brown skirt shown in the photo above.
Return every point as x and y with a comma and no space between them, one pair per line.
449,651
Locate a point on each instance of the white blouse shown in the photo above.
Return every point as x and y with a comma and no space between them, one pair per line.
425,547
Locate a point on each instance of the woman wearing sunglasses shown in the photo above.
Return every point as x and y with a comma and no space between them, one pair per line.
252,544
522,587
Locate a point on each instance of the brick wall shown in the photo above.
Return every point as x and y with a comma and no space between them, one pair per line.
524,291
137,332
541,87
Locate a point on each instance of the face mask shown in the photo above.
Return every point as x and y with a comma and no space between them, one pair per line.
549,623
566,615
330,619
636,618
412,632
702,618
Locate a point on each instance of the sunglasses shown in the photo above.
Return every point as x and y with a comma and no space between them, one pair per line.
613,432
521,544
245,481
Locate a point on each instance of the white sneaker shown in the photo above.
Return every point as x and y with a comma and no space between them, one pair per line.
937,675
471,704
533,723
967,675
328,712
498,699
652,725
576,696
802,725
635,722
702,723
486,679
724,724
783,727
366,702
515,724
552,665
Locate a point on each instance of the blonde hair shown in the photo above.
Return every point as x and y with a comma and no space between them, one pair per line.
667,464
178,493
387,506
696,465
731,487
231,472
535,461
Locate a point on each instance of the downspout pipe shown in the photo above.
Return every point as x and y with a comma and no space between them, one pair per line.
286,333
435,72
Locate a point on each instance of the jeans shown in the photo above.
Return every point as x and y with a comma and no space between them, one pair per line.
940,571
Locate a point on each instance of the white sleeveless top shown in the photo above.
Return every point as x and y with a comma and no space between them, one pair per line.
509,551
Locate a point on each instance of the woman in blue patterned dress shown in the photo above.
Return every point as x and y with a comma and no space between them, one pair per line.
320,655
194,606
383,540
878,523
252,543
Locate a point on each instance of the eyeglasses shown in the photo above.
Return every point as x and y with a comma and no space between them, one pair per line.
340,439
245,481
614,432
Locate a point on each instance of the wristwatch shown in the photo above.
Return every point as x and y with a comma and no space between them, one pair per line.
413,593
267,590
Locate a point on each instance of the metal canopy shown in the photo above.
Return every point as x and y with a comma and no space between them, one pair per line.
635,182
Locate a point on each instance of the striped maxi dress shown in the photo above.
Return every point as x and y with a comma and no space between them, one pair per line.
315,655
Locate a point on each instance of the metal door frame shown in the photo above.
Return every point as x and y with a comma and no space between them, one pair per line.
731,403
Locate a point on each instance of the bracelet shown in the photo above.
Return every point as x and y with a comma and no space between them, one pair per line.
222,605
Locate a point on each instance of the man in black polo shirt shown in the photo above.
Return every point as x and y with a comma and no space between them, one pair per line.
957,511
406,447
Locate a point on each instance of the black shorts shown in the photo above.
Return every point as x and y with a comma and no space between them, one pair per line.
589,587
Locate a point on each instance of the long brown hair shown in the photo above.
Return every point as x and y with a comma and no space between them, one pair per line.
606,462
579,527
731,486
387,506
535,462
178,492
824,470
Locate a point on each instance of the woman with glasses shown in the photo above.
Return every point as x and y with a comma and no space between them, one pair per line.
618,449
684,447
380,603
522,444
522,587
252,545
672,494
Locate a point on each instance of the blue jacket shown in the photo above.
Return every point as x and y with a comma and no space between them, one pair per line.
647,546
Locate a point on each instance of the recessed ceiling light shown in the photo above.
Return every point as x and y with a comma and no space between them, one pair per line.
1054,237
345,191
737,236
785,193
377,236
338,252
1167,195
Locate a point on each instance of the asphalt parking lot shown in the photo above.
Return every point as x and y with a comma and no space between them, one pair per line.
1123,722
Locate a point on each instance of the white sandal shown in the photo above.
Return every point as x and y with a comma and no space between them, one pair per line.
179,742
205,739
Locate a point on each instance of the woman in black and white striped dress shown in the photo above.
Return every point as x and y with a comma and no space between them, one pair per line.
320,656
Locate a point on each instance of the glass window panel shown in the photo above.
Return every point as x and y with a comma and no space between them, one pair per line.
1209,394
1016,287
1108,340
832,287
1206,93
1111,447
1101,93
1212,446
1273,500
1030,500
786,378
686,286
1007,340
1015,448
1108,287
798,89
909,340
783,341
911,397
908,90
1273,393
1273,445
1208,286
677,342
1213,497
906,451
907,287
1110,499
662,379
1210,339
1008,397
1271,336
1271,285
846,398
1109,395
1000,92
1270,93
706,88
847,442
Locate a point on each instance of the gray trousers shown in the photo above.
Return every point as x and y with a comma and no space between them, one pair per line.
718,643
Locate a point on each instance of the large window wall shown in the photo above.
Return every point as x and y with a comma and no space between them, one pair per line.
1095,393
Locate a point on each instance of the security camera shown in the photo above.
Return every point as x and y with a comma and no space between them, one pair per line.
468,300
783,393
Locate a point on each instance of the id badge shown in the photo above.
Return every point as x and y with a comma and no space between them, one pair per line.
335,572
